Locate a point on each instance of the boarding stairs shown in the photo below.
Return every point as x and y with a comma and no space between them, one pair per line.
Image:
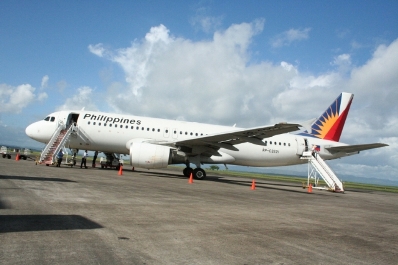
56,143
317,165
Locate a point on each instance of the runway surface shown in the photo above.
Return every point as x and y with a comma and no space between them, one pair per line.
51,215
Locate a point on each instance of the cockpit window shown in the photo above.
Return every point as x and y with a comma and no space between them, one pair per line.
47,118
52,119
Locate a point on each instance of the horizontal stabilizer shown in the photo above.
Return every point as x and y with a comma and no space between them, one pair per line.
354,148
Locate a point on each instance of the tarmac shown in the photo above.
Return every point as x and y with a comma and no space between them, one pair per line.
51,215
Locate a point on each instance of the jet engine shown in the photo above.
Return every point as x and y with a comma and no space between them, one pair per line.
150,156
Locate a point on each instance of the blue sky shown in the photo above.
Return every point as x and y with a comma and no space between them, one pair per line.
220,62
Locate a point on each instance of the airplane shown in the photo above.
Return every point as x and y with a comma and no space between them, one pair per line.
156,143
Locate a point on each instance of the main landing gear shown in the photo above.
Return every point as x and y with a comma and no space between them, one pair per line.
198,173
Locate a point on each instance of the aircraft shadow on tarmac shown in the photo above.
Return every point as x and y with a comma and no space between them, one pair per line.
29,223
247,183
35,178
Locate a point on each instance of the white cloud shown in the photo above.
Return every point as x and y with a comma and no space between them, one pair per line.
97,49
14,99
287,37
44,81
342,60
205,22
215,81
84,98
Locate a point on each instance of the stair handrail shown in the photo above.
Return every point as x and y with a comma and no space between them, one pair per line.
331,173
61,126
64,139
321,171
82,134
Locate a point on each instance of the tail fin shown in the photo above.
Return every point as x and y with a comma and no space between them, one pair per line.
330,124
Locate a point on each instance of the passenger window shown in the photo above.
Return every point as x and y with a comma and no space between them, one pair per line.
153,129
88,122
270,142
142,128
186,133
110,124
99,124
284,144
93,123
167,131
280,143
288,144
191,133
104,124
158,130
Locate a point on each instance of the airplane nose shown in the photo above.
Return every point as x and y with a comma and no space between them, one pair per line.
31,130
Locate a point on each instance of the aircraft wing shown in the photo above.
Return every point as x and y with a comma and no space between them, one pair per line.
227,140
354,148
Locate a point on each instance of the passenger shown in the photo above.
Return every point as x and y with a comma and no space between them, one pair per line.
313,150
60,155
84,159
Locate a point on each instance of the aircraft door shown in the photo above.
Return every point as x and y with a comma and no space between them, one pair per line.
302,145
72,118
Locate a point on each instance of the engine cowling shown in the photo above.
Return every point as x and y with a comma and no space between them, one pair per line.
149,156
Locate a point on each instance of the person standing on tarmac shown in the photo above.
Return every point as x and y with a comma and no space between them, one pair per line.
95,158
84,159
60,155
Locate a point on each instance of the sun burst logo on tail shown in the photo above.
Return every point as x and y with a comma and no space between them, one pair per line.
330,124
325,123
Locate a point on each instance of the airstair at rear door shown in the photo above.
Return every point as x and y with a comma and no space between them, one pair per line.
317,165
56,143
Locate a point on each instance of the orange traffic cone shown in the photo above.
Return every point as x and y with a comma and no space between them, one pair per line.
190,179
253,185
120,171
310,188
17,157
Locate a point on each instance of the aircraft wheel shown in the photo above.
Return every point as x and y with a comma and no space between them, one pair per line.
187,171
4,156
9,156
199,173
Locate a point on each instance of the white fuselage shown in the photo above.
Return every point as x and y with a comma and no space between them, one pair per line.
111,132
